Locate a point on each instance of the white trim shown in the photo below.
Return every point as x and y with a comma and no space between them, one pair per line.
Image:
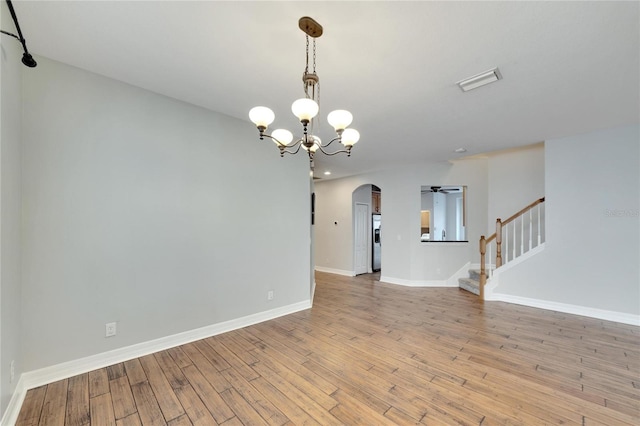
335,271
411,283
15,403
418,283
494,280
399,281
33,379
518,260
494,283
566,308
452,281
461,273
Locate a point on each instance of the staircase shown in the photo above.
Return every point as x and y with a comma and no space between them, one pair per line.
472,283
519,234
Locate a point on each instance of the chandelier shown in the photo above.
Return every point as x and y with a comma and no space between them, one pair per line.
306,109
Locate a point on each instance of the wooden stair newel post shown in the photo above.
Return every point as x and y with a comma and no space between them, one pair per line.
498,243
483,274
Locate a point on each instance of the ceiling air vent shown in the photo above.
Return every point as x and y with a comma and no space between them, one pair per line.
480,79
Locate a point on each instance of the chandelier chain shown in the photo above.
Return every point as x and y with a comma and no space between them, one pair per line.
314,71
306,68
315,89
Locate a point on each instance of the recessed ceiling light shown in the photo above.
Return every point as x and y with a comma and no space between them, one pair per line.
480,79
460,150
327,172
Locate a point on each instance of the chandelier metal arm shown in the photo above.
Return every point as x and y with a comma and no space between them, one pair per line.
283,148
279,143
298,144
331,141
346,150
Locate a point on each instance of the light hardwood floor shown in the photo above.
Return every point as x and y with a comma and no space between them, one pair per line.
369,353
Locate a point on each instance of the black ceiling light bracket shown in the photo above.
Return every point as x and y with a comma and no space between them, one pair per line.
27,59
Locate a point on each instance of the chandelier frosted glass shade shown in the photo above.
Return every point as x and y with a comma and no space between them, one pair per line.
340,119
282,136
305,109
350,137
261,116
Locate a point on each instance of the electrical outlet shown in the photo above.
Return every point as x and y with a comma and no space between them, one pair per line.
270,295
12,371
110,329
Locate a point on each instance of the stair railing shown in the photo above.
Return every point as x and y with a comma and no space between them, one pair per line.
520,233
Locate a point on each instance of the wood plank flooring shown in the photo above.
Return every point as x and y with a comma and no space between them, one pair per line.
369,353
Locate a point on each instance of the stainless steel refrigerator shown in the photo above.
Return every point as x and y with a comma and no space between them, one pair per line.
375,242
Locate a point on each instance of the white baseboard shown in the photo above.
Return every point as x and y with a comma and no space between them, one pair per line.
463,272
399,281
417,283
13,409
35,378
335,271
412,283
566,308
494,280
452,281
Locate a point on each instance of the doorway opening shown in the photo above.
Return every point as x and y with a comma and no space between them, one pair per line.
367,235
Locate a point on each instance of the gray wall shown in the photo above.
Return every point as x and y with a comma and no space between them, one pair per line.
10,206
149,212
404,257
516,179
592,186
593,228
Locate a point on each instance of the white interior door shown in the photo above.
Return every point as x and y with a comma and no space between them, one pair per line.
361,238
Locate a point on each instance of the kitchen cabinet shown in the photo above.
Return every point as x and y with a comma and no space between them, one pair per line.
375,202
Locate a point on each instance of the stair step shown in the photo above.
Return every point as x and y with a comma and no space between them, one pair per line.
470,285
475,274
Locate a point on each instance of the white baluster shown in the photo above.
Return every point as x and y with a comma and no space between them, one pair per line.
505,248
490,257
514,240
538,224
521,235
530,228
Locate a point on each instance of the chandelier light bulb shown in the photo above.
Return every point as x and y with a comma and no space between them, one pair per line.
261,116
305,109
340,119
282,136
350,137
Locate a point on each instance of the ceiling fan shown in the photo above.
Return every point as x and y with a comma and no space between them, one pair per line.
443,190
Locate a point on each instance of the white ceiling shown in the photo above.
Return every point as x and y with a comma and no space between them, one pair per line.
568,67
